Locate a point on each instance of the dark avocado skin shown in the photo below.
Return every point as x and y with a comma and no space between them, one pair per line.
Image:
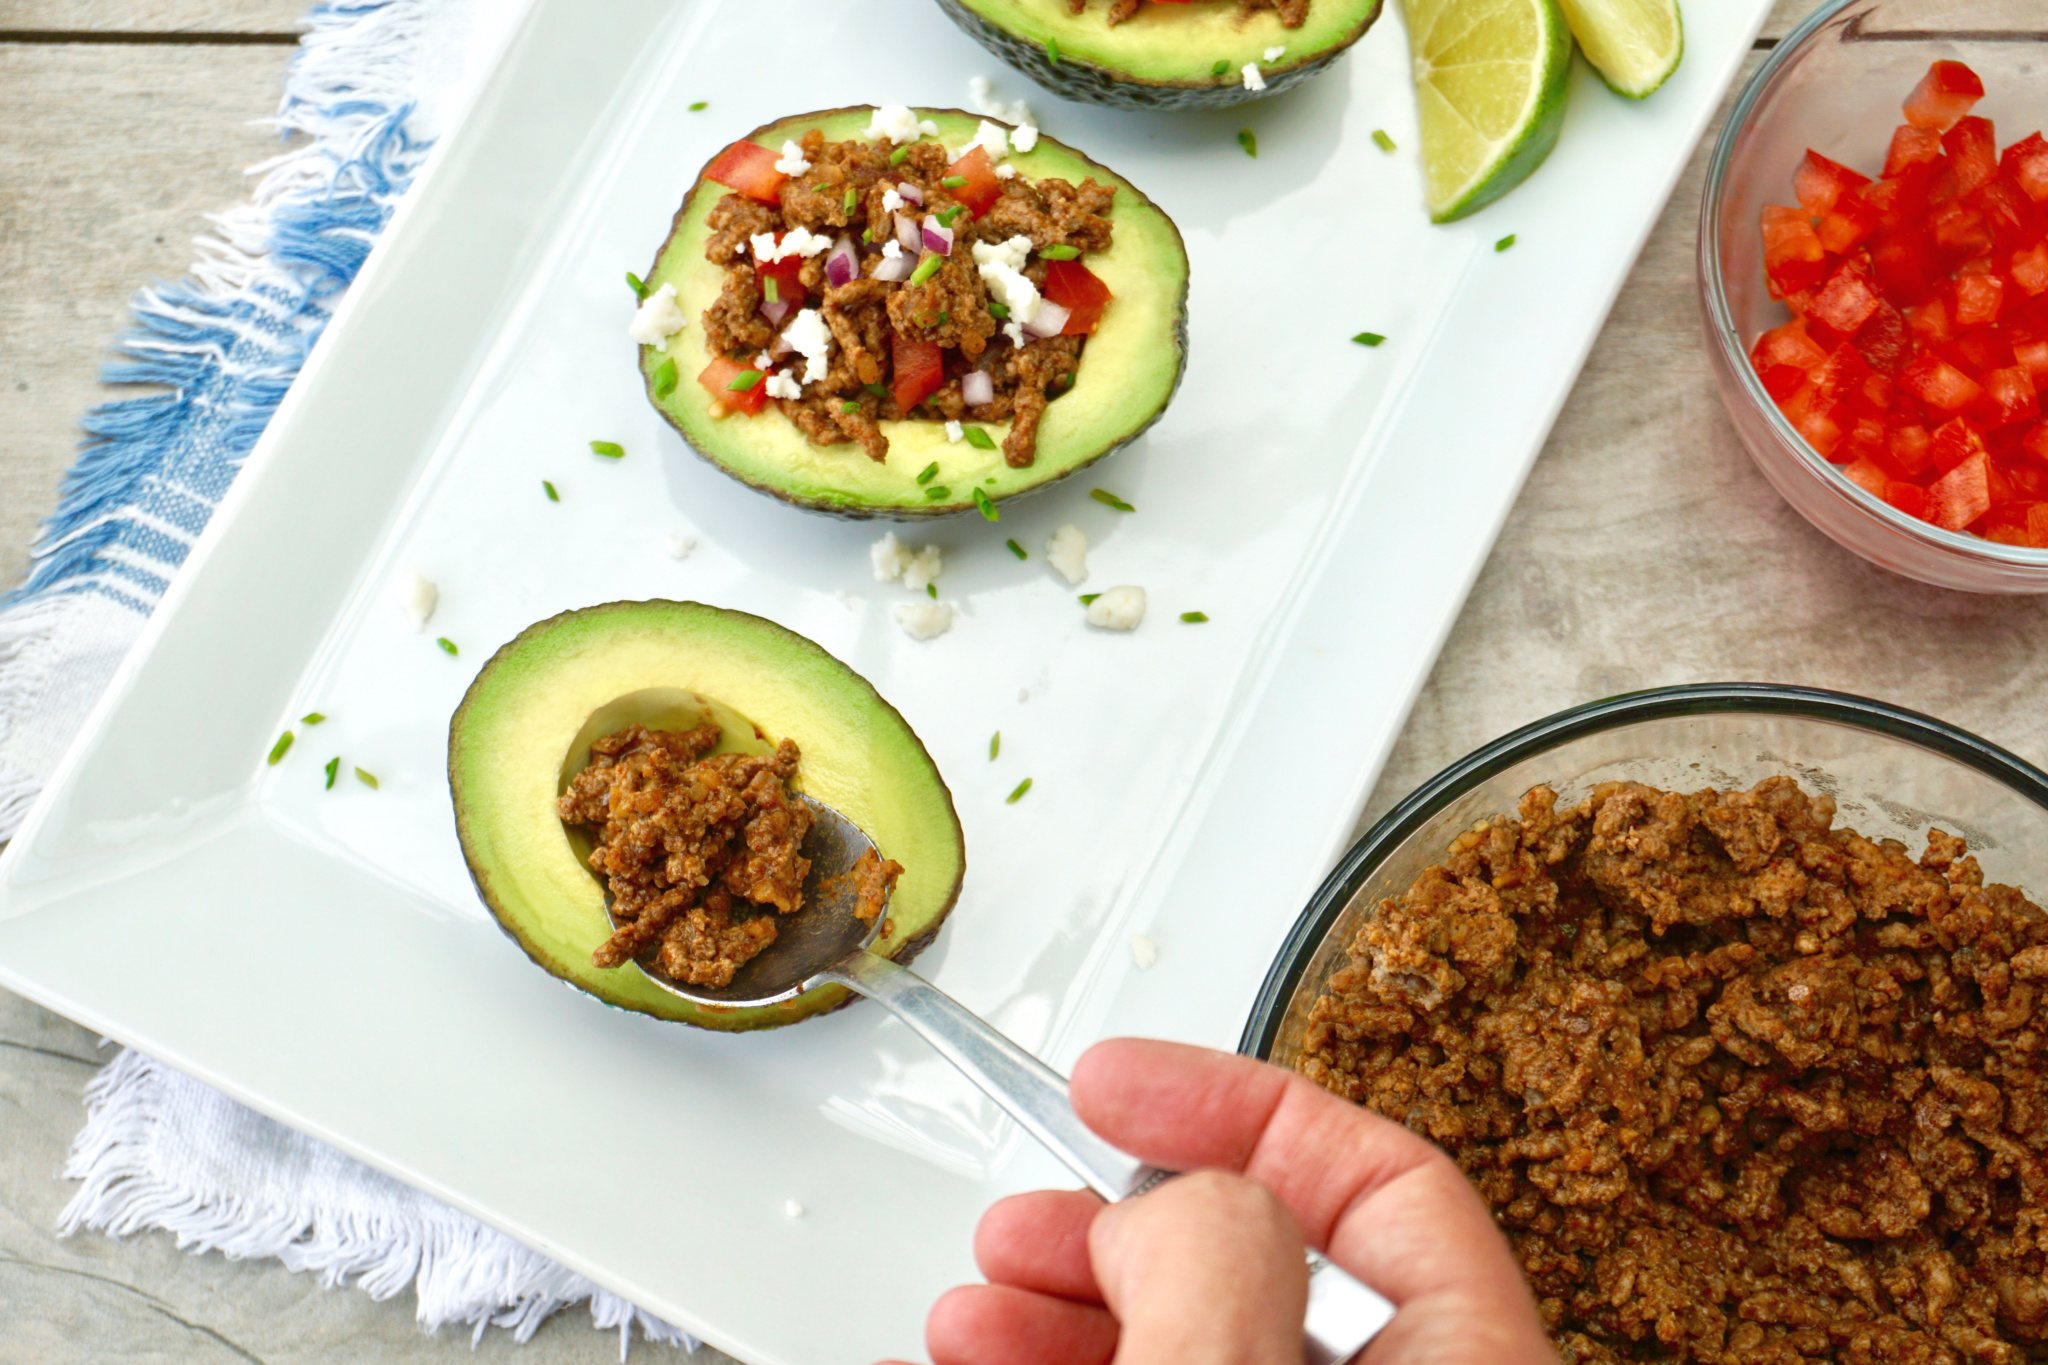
1091,84
856,512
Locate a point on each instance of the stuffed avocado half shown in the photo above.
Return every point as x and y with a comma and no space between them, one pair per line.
1164,56
526,728
1118,375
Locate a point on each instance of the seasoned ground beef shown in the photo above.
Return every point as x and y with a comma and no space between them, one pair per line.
1293,13
872,321
1740,1086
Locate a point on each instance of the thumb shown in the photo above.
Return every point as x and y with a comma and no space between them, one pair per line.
1208,1269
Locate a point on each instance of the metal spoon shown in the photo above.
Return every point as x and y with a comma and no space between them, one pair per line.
824,942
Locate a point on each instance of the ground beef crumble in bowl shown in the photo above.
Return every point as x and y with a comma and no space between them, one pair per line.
1725,998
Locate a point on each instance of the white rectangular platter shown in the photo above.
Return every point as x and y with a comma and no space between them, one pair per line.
320,954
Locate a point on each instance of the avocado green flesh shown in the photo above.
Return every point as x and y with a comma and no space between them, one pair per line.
1165,55
526,724
1129,366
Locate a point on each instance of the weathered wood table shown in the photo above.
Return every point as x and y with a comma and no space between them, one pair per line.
1644,550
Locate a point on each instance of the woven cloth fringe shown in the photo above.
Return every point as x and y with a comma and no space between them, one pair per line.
160,1150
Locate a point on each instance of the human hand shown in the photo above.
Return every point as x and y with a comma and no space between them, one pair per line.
1209,1267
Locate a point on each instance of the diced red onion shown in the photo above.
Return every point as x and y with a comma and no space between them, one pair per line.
1048,321
775,312
842,263
977,388
907,233
781,348
936,238
910,193
895,268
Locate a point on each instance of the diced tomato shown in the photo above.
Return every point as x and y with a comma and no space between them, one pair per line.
1931,321
1863,442
1848,223
2035,442
717,378
1909,448
1846,302
1939,384
1980,349
1867,476
1948,91
1883,341
2026,162
1909,498
2030,268
1074,287
1959,232
1819,182
2033,356
920,370
1955,441
1793,256
1962,495
982,188
1813,419
780,280
2014,220
2009,396
750,169
1977,299
1911,147
1841,379
1781,357
1972,150
1903,265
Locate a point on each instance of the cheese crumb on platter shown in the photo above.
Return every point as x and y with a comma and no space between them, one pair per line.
1120,608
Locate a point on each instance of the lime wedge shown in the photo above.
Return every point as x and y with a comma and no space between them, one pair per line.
1489,92
1635,45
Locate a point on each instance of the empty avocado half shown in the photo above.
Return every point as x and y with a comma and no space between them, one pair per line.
1128,369
526,725
1166,56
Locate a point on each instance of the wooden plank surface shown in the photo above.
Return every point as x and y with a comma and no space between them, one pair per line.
151,16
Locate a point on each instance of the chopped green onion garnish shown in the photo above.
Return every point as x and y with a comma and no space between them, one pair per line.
311,718
931,590
1109,499
896,157
611,450
1000,312
995,745
1220,67
1060,251
700,104
1504,243
639,289
850,405
820,189
937,491
954,182
867,236
980,439
280,749
553,496
988,508
1194,618
877,390
367,779
1018,794
1016,549
333,767
945,316
928,473
1368,338
744,380
1052,50
852,198
446,644
946,216
771,290
927,267
1385,143
1088,597
665,378
1248,140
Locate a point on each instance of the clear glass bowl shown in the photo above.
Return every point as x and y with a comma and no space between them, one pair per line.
1836,84
1893,774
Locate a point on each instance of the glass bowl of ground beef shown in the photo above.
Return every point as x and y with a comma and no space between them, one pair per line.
1732,1002
1836,85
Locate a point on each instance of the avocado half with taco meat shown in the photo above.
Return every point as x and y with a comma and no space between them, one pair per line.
526,726
839,286
1165,54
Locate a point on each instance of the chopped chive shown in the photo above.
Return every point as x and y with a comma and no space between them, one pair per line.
611,450
367,779
665,378
333,767
1060,251
990,479
937,491
1504,243
989,511
995,745
553,496
877,390
954,182
1248,140
700,105
850,405
1109,499
946,216
927,268
852,198
771,290
1368,338
639,288
1380,138
744,380
311,718
867,236
1000,312
446,644
1016,549
1220,67
1194,618
931,590
945,316
820,189
896,157
1052,50
1088,597
928,473
980,439
280,749
1017,795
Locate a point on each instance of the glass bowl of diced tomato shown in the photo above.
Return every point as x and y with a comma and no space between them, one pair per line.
1873,265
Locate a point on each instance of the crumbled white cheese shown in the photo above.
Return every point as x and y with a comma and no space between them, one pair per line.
798,241
981,97
1144,952
923,569
792,1209
924,620
1025,137
1067,551
1015,334
891,249
659,318
891,201
781,385
954,431
992,137
419,598
890,557
1006,172
897,123
764,361
681,546
1000,265
810,338
1252,79
1012,253
1118,609
1274,54
792,161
